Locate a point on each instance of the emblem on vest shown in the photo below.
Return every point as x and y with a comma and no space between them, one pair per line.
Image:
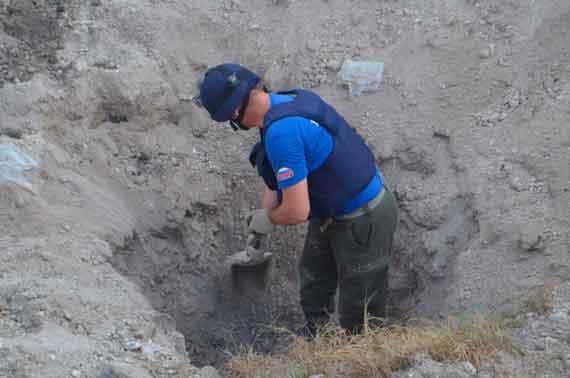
284,173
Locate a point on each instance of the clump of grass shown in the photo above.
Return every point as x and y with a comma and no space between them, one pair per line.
380,351
540,300
537,300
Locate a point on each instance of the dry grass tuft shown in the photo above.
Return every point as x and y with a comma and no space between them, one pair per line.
537,300
381,351
540,299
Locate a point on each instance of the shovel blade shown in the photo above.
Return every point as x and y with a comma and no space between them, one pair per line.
250,280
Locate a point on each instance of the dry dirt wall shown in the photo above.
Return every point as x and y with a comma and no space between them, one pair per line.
112,243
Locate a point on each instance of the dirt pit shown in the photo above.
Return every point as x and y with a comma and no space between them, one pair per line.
181,270
217,318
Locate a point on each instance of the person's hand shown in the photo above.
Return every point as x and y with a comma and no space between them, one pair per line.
258,222
249,257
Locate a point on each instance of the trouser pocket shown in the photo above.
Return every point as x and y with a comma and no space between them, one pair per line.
317,274
362,249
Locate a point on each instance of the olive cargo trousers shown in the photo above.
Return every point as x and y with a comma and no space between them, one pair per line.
353,254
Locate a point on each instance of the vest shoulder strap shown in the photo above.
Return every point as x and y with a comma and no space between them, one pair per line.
306,104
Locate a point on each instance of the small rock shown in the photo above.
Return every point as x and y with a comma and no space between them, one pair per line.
132,171
76,374
513,99
133,346
140,180
333,65
143,156
539,345
208,372
484,53
20,202
185,97
469,368
531,239
560,317
487,52
517,184
12,133
197,122
313,45
441,133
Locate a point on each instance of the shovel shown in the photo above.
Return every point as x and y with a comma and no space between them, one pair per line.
250,268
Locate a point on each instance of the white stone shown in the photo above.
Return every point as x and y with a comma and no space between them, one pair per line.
469,368
133,345
559,317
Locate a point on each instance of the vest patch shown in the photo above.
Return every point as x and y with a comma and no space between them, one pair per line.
284,173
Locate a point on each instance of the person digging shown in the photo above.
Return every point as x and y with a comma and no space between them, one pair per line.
316,168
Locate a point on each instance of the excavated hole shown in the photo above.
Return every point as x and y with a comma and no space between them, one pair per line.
180,270
195,288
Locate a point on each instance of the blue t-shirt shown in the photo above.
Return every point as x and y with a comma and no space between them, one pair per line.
297,146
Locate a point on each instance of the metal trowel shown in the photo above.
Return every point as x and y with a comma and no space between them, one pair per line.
250,268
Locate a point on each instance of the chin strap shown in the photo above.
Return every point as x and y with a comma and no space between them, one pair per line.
236,124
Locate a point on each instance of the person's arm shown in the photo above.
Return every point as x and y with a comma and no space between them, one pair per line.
269,199
294,208
285,150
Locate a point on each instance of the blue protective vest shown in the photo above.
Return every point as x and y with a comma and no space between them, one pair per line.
348,169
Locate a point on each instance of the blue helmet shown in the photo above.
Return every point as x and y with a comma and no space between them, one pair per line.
224,89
